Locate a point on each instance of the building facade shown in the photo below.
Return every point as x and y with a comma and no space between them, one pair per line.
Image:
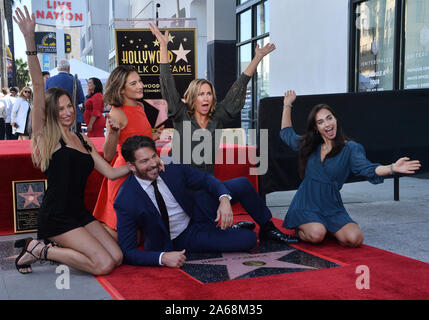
94,37
323,47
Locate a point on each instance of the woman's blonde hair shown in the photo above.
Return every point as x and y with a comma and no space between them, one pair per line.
115,84
52,131
191,95
23,96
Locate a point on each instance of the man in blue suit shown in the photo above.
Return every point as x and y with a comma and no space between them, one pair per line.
179,209
65,81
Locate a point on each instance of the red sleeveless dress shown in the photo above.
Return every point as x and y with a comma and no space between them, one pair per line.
138,124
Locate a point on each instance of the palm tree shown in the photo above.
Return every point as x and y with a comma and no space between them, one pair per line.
22,73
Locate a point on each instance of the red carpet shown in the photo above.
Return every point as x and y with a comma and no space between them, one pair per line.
391,277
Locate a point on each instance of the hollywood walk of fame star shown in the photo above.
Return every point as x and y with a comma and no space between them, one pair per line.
239,264
181,54
30,197
162,107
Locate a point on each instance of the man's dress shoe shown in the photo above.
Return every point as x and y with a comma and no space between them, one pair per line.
244,225
278,236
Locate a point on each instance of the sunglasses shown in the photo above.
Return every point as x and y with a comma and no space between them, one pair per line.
27,91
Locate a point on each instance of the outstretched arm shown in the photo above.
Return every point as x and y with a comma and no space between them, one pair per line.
176,108
289,98
27,26
102,166
403,165
163,42
260,53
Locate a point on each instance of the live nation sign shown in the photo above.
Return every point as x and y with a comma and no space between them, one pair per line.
70,13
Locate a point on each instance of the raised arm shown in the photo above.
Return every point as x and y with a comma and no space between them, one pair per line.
260,53
289,98
163,42
113,131
169,92
27,25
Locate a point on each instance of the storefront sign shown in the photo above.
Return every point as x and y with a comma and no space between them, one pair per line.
71,13
46,42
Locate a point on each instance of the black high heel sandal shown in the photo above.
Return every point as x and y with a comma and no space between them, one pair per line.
23,243
20,243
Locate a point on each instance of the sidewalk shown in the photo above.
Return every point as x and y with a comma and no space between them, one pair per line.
397,226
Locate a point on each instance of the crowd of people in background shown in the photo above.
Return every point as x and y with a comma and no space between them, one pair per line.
16,104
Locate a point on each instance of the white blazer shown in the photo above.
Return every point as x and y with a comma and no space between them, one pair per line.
19,114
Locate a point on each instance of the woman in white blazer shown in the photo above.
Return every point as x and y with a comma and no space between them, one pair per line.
20,117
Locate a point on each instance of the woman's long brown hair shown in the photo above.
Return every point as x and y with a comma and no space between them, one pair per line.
312,139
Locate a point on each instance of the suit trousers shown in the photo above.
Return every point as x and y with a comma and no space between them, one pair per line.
203,234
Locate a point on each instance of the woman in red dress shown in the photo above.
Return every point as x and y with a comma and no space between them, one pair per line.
94,107
126,119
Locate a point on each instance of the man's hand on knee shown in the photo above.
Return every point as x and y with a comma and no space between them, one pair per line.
224,213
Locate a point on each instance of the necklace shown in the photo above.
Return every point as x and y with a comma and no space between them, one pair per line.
202,122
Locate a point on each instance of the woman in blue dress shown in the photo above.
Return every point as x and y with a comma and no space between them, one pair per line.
326,159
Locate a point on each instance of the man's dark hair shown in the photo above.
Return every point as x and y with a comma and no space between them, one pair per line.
14,89
44,73
132,144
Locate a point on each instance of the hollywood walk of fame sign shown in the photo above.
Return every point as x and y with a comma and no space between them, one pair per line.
27,199
271,259
140,48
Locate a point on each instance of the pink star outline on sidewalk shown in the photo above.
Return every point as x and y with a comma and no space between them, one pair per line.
162,107
239,264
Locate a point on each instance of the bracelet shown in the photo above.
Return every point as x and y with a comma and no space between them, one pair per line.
288,105
391,170
31,53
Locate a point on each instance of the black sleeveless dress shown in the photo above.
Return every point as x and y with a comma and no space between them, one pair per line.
63,207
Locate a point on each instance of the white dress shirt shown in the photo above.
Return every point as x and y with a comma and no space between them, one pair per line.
178,219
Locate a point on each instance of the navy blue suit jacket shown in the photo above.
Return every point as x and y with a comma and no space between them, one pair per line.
64,80
135,211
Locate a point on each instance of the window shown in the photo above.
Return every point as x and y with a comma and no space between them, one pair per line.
253,29
390,45
375,31
416,57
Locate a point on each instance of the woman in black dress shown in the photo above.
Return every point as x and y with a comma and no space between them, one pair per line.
67,159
